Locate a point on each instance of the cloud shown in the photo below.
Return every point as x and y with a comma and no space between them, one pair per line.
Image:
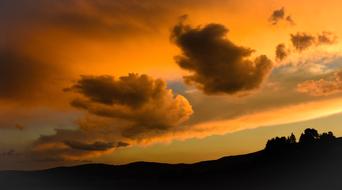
327,38
119,112
71,145
96,146
121,17
93,18
281,52
144,101
122,144
322,87
290,20
132,90
23,77
302,41
267,117
218,65
279,15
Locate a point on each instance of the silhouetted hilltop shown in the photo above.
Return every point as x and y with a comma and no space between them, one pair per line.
314,162
310,138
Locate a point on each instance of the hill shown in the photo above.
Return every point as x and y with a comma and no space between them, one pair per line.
313,164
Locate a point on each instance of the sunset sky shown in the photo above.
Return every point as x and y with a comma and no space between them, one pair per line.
174,81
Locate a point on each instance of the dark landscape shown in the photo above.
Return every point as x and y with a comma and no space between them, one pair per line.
314,162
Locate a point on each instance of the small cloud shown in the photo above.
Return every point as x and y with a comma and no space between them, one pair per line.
96,146
327,38
279,15
281,52
122,144
290,20
302,41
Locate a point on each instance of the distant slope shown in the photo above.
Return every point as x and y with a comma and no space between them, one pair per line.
318,166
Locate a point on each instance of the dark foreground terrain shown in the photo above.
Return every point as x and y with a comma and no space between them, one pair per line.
282,165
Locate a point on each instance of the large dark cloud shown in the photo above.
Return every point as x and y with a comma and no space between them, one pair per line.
130,109
130,90
137,98
218,65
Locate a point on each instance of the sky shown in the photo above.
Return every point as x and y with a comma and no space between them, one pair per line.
176,81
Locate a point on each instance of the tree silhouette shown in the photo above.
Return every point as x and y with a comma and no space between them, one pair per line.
292,139
327,137
279,143
310,136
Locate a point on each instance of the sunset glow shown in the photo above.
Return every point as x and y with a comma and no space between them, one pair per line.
124,80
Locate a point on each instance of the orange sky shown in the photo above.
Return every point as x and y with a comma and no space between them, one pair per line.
48,46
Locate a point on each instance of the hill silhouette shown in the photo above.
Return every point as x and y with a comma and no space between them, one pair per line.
314,162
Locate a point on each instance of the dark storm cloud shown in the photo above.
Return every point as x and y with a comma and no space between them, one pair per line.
21,76
218,65
281,52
